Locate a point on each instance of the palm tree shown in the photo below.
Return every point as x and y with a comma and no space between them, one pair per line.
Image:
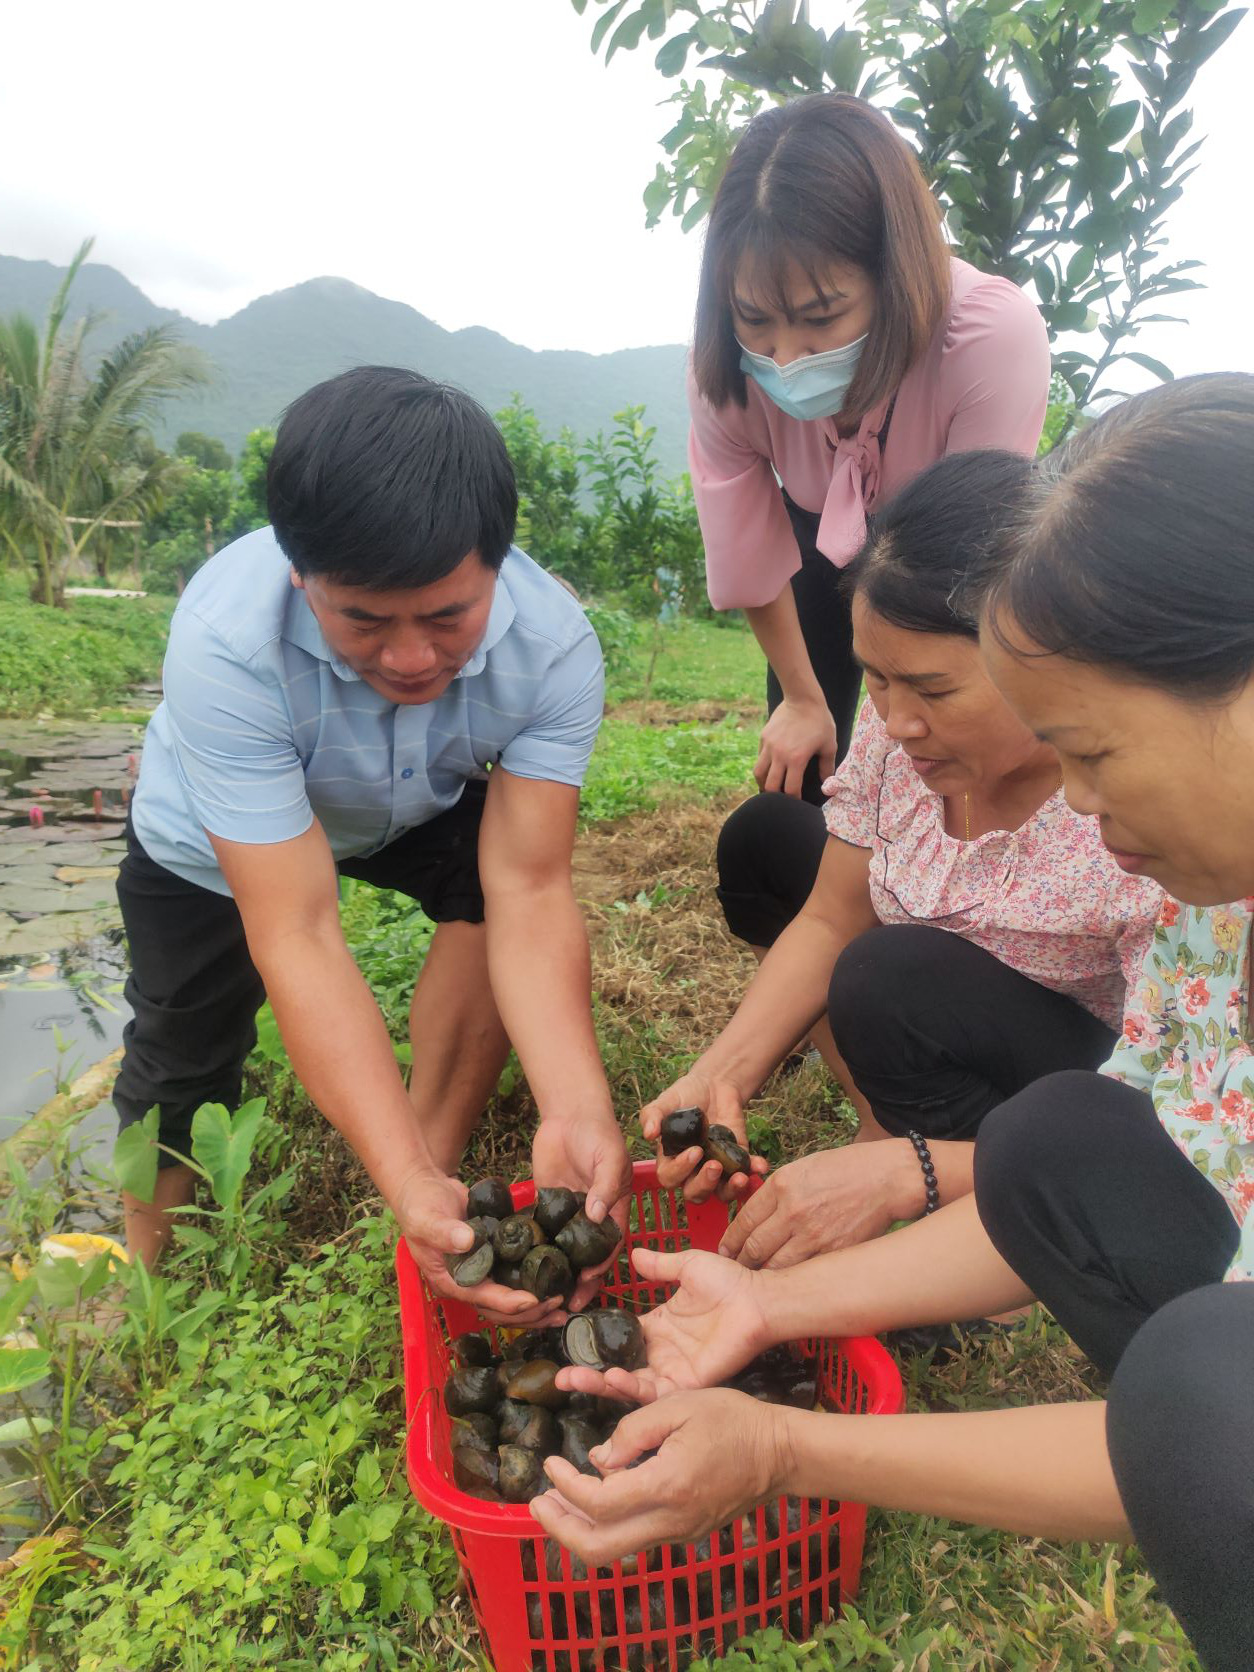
73,435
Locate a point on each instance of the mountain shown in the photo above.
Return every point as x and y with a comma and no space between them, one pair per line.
279,345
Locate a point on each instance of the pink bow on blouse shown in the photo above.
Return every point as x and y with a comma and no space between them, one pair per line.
854,488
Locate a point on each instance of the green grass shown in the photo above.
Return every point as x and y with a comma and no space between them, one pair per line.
695,661
634,767
78,659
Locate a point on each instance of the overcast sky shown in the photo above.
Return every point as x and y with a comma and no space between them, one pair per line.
469,157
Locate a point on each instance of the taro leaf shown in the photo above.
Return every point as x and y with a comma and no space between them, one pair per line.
12,1301
59,1280
21,1430
22,1367
224,1147
135,1157
270,1046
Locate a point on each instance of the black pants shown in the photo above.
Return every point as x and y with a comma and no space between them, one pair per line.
935,1031
1111,1227
828,633
194,989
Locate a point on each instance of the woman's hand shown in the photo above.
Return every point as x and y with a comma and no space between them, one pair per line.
690,1487
795,733
588,1155
710,1327
826,1201
722,1104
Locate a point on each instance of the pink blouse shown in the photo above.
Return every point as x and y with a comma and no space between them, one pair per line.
983,382
1047,899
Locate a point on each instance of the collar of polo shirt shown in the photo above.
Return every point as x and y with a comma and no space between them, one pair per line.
302,630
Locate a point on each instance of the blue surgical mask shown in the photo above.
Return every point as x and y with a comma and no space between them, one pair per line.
814,386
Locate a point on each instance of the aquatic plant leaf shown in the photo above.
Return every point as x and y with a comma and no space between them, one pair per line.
224,1146
135,1157
22,1367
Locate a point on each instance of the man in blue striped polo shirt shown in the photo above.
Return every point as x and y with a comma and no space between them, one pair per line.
380,685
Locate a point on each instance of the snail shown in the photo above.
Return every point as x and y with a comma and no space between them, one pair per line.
604,1338
546,1272
685,1129
554,1206
491,1197
520,1474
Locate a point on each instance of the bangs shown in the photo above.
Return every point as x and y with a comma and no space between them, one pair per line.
767,261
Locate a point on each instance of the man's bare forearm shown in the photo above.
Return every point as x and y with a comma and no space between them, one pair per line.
341,1051
542,981
1041,1470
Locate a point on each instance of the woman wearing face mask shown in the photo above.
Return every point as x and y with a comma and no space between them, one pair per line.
1122,631
961,929
839,348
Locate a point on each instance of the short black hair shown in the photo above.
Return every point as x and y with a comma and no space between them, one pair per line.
1133,549
382,478
929,550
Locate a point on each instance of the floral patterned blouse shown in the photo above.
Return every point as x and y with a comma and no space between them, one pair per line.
1047,899
1186,1041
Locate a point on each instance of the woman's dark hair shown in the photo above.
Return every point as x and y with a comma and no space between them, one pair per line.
1134,547
382,478
823,179
926,548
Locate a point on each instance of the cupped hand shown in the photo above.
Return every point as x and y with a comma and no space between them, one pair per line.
684,1491
430,1208
708,1330
823,1202
792,737
721,1103
588,1154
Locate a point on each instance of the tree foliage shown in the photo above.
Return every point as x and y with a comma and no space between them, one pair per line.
1054,131
76,451
603,517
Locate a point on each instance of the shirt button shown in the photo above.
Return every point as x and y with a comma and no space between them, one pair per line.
408,772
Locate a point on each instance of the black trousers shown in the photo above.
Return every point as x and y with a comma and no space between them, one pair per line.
827,630
195,991
935,1031
1111,1227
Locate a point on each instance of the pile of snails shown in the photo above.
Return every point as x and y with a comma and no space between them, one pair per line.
544,1249
508,1414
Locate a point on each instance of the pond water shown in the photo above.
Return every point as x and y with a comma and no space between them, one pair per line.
64,789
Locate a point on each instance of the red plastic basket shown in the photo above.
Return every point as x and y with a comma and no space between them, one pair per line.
790,1563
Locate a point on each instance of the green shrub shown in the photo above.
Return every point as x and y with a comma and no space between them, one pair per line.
88,654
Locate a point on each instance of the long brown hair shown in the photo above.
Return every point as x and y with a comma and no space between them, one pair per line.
822,179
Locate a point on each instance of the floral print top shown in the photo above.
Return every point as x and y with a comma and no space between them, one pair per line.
1186,1041
1047,899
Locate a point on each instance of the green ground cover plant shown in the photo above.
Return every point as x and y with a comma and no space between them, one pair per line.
78,659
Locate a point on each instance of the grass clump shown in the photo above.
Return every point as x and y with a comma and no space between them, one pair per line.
79,658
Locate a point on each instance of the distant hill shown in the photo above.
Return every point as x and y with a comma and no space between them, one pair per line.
279,345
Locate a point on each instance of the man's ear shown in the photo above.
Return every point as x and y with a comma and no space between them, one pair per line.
298,581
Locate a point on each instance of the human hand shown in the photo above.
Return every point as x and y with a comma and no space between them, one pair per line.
722,1103
589,1155
684,1491
710,1327
825,1201
430,1208
791,738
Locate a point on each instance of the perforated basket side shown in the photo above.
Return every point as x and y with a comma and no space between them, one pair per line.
790,1563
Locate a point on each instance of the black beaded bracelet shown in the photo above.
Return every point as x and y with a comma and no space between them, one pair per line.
932,1189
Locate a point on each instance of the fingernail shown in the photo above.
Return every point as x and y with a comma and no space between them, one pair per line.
596,1208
